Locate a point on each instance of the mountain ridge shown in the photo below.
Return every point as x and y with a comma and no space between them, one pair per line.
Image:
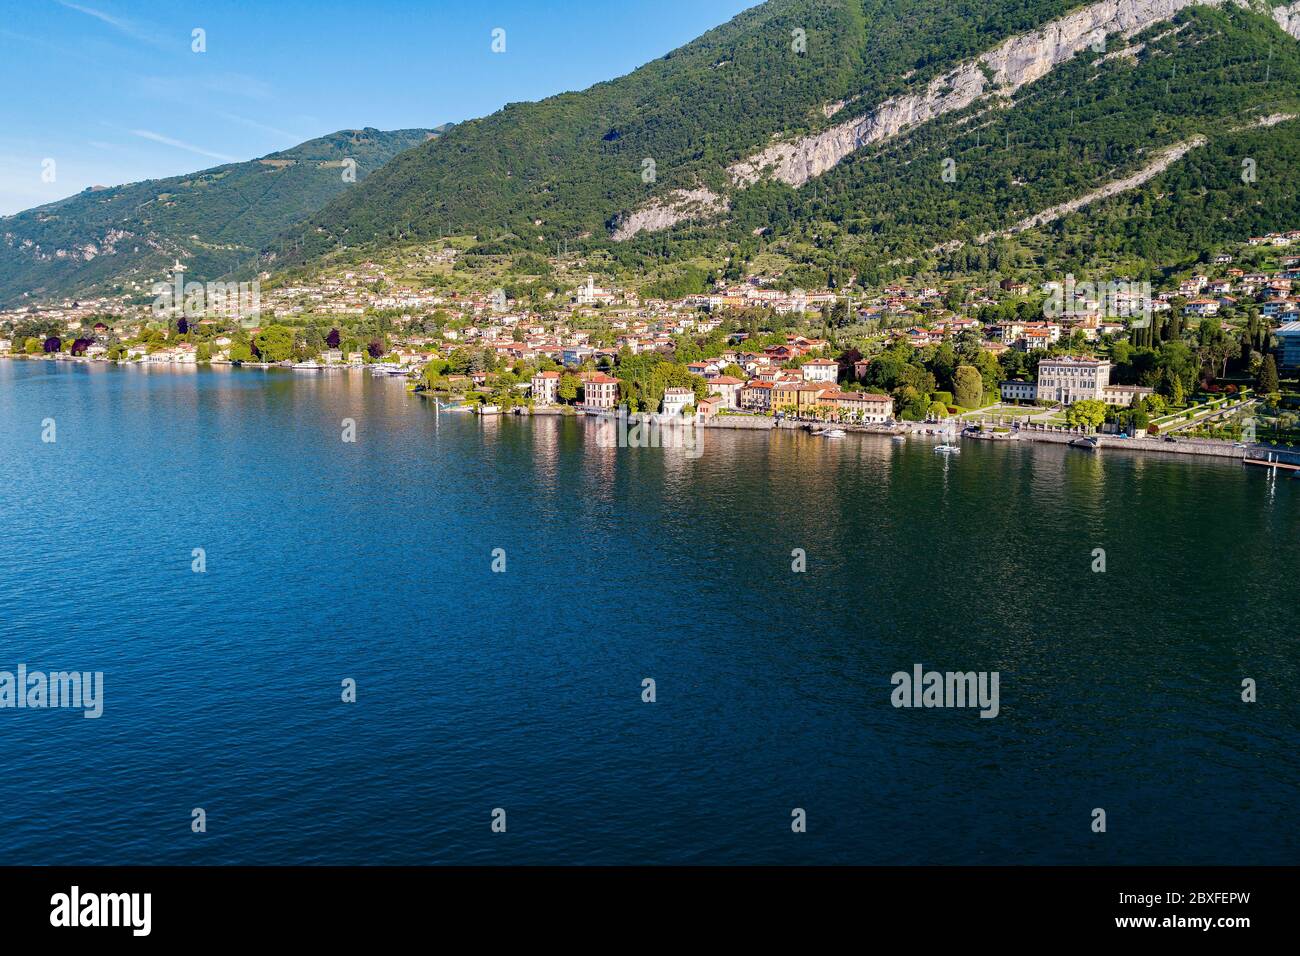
738,143
573,167
115,237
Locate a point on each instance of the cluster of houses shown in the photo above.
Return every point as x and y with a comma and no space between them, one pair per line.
651,325
813,388
1276,239
1274,293
596,323
769,387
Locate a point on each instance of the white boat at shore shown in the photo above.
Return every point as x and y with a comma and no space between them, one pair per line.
947,450
309,366
833,433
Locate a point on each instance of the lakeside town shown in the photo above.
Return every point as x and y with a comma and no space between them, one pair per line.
1212,354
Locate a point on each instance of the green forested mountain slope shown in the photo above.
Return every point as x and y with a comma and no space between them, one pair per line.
1210,75
1198,206
576,160
572,166
102,239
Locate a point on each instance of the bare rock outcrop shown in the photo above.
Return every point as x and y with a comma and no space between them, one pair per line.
666,212
1288,18
1017,61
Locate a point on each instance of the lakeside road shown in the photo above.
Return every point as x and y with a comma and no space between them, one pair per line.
1197,447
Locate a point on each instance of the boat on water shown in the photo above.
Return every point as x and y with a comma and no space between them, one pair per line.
309,366
1086,444
947,450
898,438
832,433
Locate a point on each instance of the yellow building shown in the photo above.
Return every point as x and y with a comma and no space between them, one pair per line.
800,396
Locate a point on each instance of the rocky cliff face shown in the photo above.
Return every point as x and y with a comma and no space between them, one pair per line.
1017,61
1288,18
1000,72
677,206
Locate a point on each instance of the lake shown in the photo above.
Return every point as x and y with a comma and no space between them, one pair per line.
372,561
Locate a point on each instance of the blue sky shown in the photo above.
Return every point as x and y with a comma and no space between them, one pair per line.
112,92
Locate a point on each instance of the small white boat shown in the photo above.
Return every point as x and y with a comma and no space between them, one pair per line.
309,366
898,438
947,450
833,433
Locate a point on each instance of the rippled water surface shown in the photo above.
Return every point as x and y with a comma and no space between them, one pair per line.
372,560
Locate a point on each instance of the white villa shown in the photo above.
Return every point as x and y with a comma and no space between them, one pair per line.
1068,380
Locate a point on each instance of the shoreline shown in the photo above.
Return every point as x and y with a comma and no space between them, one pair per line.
1254,454
1258,455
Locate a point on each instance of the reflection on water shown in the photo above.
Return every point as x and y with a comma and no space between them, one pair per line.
371,560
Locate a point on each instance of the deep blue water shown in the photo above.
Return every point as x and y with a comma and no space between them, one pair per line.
522,690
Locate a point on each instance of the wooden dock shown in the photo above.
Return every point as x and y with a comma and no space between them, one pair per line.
1271,462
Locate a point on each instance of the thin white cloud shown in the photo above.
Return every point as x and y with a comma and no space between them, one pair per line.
125,27
168,141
